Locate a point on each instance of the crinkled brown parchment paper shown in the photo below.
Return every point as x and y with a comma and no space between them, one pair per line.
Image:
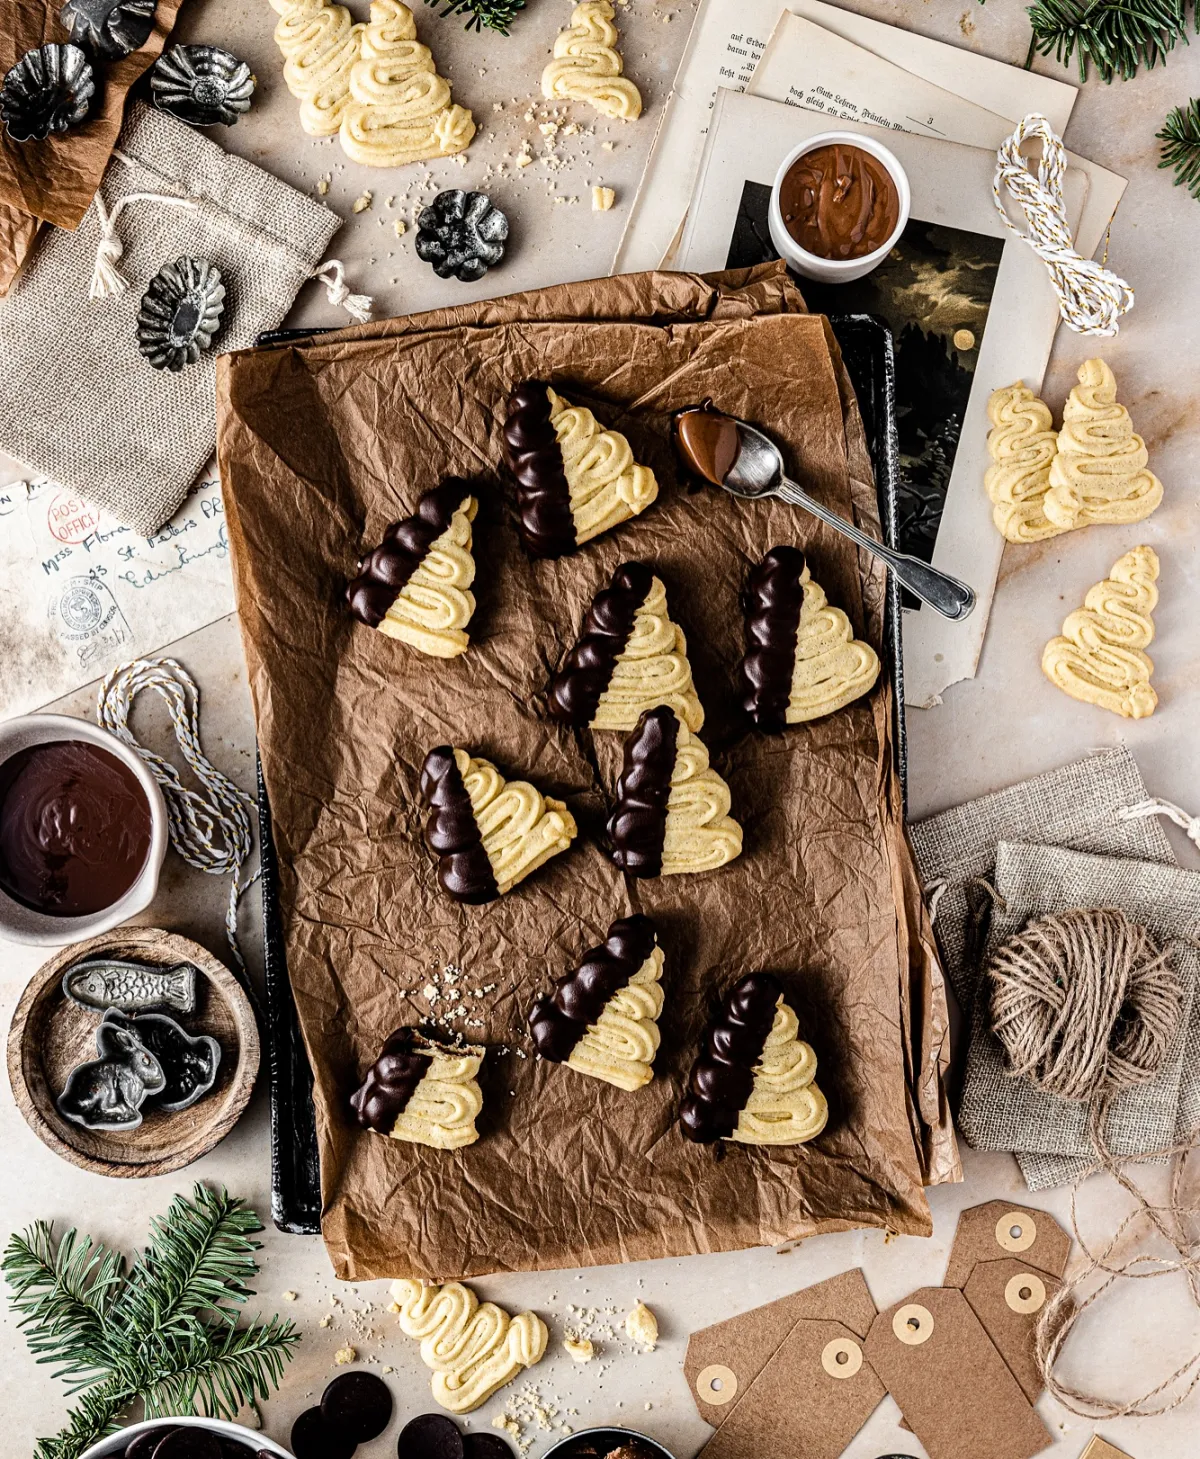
55,180
321,445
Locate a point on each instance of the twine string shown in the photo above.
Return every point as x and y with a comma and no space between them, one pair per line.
1091,298
332,273
107,280
210,827
1087,1004
1190,825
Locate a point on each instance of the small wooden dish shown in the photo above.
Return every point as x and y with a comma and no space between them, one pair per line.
50,1035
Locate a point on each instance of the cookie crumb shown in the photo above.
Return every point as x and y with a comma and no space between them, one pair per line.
641,1327
401,227
363,202
582,1349
602,198
343,1356
290,1296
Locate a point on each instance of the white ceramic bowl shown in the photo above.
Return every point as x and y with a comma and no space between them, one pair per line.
23,924
836,270
615,1437
115,1443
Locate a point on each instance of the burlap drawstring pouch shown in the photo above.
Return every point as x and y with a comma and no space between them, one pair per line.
78,402
1003,1112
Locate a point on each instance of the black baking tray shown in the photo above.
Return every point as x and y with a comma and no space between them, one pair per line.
866,345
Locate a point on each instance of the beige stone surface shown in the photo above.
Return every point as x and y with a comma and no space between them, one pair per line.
1008,723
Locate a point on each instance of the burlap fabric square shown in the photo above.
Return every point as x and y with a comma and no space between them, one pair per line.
78,402
1002,1112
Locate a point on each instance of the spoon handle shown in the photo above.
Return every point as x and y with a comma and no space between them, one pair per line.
946,595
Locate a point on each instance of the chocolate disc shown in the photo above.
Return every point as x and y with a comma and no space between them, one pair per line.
359,1404
188,1444
145,1444
485,1446
429,1436
312,1438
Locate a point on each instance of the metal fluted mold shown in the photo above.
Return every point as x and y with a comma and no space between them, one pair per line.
49,90
109,29
202,85
181,313
462,235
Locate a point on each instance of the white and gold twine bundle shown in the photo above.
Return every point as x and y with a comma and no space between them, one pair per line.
1091,298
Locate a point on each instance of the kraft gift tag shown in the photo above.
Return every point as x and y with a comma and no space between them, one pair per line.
956,1392
729,1355
999,1229
1007,1297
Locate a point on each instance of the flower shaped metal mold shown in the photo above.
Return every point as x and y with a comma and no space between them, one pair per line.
202,85
462,235
49,90
181,313
108,1093
109,29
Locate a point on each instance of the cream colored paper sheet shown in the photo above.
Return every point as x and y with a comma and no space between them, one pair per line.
729,38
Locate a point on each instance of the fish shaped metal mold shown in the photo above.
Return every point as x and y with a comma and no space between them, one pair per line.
108,1093
103,983
189,1062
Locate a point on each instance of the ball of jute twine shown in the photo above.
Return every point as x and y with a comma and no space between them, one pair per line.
1087,1004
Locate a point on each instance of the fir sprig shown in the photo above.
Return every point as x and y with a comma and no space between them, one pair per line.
1180,137
494,14
1115,36
165,1331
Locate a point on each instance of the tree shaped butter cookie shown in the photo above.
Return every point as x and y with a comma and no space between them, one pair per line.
754,1079
1022,444
415,586
629,657
802,659
602,1019
1100,655
488,833
672,811
1099,474
473,1349
320,42
587,65
422,1091
400,109
574,478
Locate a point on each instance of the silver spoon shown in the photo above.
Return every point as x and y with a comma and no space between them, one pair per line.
757,471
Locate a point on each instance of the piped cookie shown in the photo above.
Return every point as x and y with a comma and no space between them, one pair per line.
802,659
587,65
672,812
1022,444
575,479
629,657
1099,473
602,1019
488,833
1100,656
473,1349
415,586
422,1091
754,1080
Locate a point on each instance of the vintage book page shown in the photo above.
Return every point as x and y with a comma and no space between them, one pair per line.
729,38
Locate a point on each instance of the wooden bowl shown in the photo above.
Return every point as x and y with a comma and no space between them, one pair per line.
51,1034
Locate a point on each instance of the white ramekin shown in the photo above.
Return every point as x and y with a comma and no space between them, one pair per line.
609,1435
115,1443
23,924
836,270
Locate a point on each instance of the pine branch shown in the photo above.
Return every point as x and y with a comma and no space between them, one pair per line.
1180,137
1115,36
221,1374
494,14
98,1414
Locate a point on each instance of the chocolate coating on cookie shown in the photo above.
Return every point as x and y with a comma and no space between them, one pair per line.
587,670
391,1082
452,832
772,602
560,1019
384,571
533,455
638,824
722,1077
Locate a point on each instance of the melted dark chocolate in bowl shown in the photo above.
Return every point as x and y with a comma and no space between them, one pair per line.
839,202
708,440
75,828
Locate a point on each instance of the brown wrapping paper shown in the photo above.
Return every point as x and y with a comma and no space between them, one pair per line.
320,447
55,180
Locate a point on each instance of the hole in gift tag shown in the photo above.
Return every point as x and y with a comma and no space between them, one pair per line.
1015,1231
717,1385
913,1324
841,1358
1025,1293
